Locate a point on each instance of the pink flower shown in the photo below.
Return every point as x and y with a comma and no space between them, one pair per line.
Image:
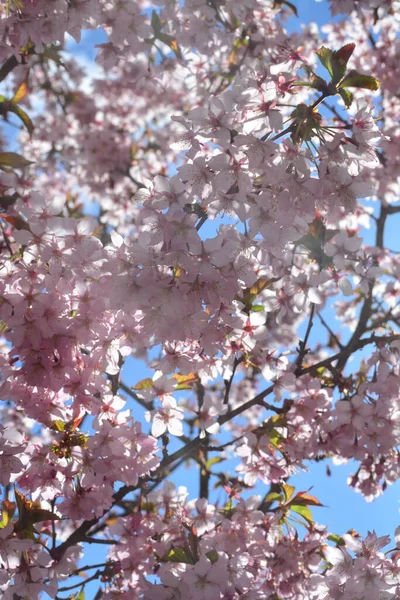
11,547
168,418
205,519
354,411
205,579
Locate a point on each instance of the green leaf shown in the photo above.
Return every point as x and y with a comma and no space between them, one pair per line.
58,425
251,293
7,512
13,160
257,308
144,384
288,4
302,84
21,92
170,41
288,491
315,241
339,61
303,511
213,461
156,22
13,5
275,438
273,496
52,52
325,57
347,97
228,508
359,80
185,382
212,556
336,539
30,513
178,555
291,6
318,83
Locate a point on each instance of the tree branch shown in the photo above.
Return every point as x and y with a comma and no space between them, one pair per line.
303,344
8,66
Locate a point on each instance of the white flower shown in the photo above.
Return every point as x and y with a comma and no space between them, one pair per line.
169,417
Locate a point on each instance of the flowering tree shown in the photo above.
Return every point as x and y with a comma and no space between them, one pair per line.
226,162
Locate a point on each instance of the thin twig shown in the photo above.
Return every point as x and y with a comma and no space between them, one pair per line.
303,344
333,335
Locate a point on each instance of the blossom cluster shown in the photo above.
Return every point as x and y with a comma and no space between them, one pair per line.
195,205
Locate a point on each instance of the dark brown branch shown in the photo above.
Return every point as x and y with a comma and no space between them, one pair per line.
132,394
327,362
366,310
228,382
8,66
92,540
333,336
303,343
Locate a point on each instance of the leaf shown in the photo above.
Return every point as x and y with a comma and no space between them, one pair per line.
7,512
178,271
58,425
238,44
325,57
336,539
251,293
303,511
16,221
13,160
171,43
259,286
306,499
178,555
359,80
25,118
228,508
156,22
275,438
13,5
346,96
339,60
273,496
288,4
257,308
144,384
212,556
288,491
75,423
291,6
21,92
30,513
185,382
165,38
52,52
213,461
318,83
336,62
315,240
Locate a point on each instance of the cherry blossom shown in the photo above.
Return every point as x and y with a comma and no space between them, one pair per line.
185,282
